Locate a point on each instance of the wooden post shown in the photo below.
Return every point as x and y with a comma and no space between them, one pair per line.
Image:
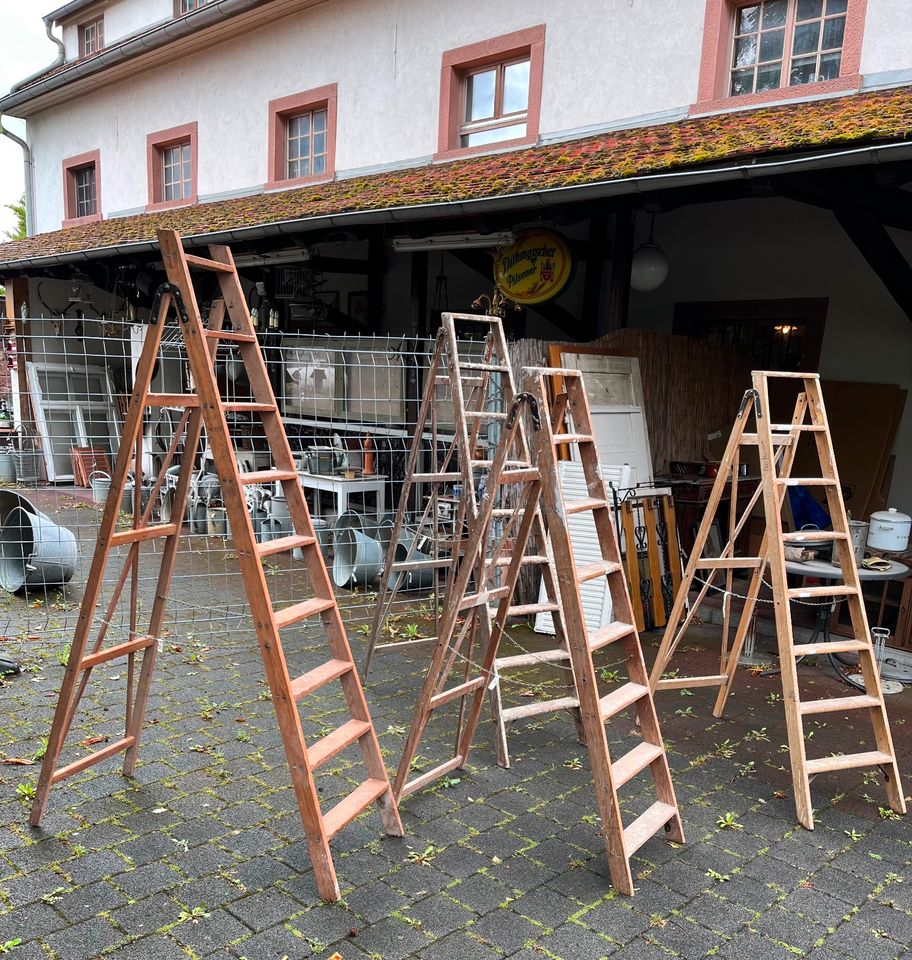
621,261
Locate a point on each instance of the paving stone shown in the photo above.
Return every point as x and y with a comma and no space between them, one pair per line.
459,946
506,930
147,915
151,878
84,941
207,934
545,906
615,918
570,941
794,931
440,915
259,911
715,914
391,939
275,943
374,901
84,902
750,945
327,922
481,893
686,939
26,923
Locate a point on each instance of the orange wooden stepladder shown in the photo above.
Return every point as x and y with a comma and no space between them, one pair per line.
206,407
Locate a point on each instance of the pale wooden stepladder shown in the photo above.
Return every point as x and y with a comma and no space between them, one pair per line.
205,407
776,444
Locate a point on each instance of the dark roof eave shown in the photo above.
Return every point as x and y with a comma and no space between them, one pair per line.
620,186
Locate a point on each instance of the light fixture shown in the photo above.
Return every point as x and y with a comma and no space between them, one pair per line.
293,255
785,329
649,265
453,241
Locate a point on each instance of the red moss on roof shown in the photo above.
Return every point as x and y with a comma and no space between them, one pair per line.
851,120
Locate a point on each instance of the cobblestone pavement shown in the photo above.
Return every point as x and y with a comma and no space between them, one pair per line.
201,855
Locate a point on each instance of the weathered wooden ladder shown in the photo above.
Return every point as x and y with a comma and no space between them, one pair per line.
206,408
777,444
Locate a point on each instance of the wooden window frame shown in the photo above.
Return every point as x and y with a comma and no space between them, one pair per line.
459,63
280,112
713,92
98,24
178,12
155,145
70,167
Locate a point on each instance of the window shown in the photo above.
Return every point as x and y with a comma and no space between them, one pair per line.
172,160
302,137
91,37
185,6
490,93
757,51
82,188
777,43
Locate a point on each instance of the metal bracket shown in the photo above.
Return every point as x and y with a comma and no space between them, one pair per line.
534,413
747,395
176,296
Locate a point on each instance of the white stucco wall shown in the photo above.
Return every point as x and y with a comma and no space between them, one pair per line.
888,37
385,57
122,19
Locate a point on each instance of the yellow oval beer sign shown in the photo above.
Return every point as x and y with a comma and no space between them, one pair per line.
534,268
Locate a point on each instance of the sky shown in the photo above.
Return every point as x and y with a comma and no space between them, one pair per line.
26,49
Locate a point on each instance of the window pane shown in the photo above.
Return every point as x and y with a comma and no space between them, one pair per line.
746,51
769,77
319,163
803,71
808,9
516,87
829,66
319,120
771,45
495,135
833,33
319,143
185,154
837,6
774,12
748,20
742,82
480,95
807,38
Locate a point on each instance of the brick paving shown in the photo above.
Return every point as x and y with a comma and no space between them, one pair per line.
201,854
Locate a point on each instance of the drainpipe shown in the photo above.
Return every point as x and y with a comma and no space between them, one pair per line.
27,161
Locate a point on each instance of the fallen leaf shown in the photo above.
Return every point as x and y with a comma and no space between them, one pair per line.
17,761
91,741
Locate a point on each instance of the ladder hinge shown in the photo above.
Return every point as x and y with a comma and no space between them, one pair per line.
747,394
176,296
518,401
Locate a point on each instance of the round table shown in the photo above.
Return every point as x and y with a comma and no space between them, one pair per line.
825,570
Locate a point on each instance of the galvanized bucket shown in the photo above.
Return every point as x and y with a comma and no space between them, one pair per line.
100,483
357,558
7,467
35,551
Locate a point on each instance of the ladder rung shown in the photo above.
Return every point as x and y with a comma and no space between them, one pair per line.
616,701
249,407
519,475
112,653
847,761
788,427
172,400
837,704
834,646
230,335
806,481
486,414
730,563
446,380
779,439
334,743
281,544
569,438
584,506
486,596
638,759
429,776
537,707
436,477
204,263
683,683
527,561
647,825
531,659
609,634
800,536
83,763
487,464
300,611
839,590
527,609
488,367
454,693
357,801
267,476
120,537
600,568
406,565
319,677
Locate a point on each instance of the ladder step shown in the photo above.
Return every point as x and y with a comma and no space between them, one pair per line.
356,802
788,427
172,400
429,776
268,476
683,683
527,609
839,590
283,544
779,439
204,263
249,407
486,596
531,659
486,414
730,563
638,759
230,335
527,561
436,477
873,758
334,743
800,536
837,704
300,611
83,763
112,653
600,568
834,646
610,634
488,367
487,464
806,482
584,506
537,707
616,701
319,677
120,537
454,693
519,475
647,825
568,438
406,565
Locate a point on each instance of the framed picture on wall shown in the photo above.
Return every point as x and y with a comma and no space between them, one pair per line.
357,306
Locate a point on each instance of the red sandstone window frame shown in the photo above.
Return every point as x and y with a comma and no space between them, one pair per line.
459,63
713,92
71,166
156,143
97,41
284,109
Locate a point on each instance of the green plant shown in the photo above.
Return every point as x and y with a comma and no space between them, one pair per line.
887,814
574,763
715,875
729,821
774,697
610,676
396,729
746,769
25,790
424,856
10,945
448,782
194,914
79,850
411,631
685,712
316,945
242,736
725,749
757,735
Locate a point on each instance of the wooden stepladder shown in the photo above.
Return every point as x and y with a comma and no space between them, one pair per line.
206,407
571,407
776,444
469,396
